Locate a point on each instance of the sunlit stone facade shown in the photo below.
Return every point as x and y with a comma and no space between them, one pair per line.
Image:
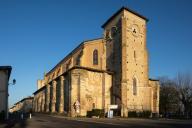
101,72
23,106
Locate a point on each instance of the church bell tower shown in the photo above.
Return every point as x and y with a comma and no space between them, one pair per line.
127,57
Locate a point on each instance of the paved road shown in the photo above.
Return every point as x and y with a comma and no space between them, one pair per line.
46,121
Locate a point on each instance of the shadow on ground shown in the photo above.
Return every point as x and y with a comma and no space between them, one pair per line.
16,121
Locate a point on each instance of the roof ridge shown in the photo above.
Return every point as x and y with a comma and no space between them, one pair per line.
121,9
70,53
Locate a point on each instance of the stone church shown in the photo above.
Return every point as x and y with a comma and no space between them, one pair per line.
112,70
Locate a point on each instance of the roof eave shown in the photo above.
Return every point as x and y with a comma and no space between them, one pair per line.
8,68
123,8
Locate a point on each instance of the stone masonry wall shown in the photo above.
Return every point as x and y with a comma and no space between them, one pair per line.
91,89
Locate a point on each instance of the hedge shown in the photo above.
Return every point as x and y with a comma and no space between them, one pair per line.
96,112
142,114
2,115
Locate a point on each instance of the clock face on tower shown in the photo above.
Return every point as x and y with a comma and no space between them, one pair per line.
135,30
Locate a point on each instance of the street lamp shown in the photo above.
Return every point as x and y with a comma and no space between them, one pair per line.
13,83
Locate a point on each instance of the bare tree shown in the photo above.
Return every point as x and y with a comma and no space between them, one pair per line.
184,86
169,100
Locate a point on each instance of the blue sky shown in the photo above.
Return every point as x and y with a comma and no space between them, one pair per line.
36,34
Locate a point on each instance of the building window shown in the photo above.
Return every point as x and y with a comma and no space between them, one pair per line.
135,55
78,61
134,86
93,105
113,31
95,57
107,35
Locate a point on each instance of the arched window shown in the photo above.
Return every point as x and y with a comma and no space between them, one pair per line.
95,57
113,31
78,61
135,55
134,86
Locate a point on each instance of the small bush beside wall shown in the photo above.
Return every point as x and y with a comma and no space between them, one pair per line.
141,114
96,113
2,115
132,114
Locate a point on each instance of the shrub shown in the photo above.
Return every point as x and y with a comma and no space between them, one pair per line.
141,114
89,114
132,114
96,112
144,114
2,115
